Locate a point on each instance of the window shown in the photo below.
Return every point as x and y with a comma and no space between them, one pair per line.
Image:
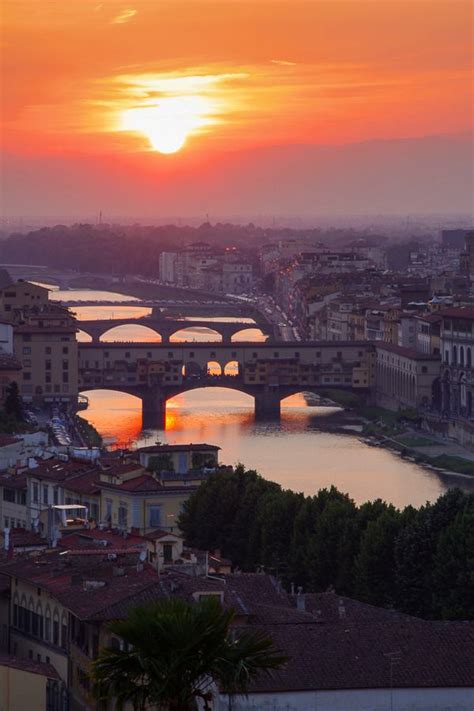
47,378
170,354
9,495
65,350
56,388
26,350
56,632
47,350
154,516
127,354
47,365
35,493
122,516
65,365
276,354
65,377
45,494
108,510
55,496
64,636
424,369
47,628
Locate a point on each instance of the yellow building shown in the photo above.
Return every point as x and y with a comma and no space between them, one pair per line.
45,345
143,504
28,685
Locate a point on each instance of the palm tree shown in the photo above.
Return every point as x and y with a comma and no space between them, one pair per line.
174,653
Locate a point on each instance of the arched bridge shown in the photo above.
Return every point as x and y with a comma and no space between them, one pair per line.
269,372
166,328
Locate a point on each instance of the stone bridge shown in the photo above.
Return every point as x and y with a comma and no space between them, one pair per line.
166,328
268,372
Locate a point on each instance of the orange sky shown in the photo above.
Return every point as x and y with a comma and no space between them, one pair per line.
280,72
253,74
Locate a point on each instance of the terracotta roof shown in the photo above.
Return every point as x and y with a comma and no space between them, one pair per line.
28,665
6,440
159,448
14,481
410,353
458,312
56,470
146,483
87,483
21,538
158,533
100,541
9,362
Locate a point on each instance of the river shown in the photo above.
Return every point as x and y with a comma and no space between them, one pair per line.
294,452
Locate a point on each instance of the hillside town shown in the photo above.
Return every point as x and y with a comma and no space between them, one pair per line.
90,533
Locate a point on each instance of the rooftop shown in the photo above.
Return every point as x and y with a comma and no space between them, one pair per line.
159,448
410,353
28,665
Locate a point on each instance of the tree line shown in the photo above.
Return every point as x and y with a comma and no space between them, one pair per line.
419,561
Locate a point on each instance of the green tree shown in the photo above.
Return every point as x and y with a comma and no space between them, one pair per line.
174,652
415,550
375,561
13,405
453,571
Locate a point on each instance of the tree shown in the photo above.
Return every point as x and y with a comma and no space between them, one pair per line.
175,652
415,550
13,405
375,562
453,574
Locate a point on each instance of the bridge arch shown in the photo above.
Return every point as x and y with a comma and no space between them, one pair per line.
213,368
189,334
233,367
83,336
134,332
252,333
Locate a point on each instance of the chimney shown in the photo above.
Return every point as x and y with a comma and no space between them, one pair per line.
301,600
341,609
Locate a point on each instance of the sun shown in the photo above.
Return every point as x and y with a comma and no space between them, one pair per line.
168,123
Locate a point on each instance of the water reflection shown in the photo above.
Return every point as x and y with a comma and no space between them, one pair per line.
293,452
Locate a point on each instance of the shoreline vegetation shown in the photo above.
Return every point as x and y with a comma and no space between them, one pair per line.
397,431
415,560
87,432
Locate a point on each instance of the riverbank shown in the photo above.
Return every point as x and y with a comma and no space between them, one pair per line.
401,432
87,433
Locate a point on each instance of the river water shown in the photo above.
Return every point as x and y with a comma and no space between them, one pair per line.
294,452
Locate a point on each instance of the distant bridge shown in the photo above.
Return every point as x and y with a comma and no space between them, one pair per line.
166,328
269,371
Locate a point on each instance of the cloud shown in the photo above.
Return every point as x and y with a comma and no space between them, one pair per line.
283,62
123,17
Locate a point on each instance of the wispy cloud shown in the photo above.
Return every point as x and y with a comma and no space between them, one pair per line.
123,17
283,62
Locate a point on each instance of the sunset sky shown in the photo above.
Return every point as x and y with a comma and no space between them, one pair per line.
180,107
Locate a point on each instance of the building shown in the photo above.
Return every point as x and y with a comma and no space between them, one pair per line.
19,296
46,346
168,267
342,654
457,373
428,333
405,378
10,372
453,238
29,684
179,458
